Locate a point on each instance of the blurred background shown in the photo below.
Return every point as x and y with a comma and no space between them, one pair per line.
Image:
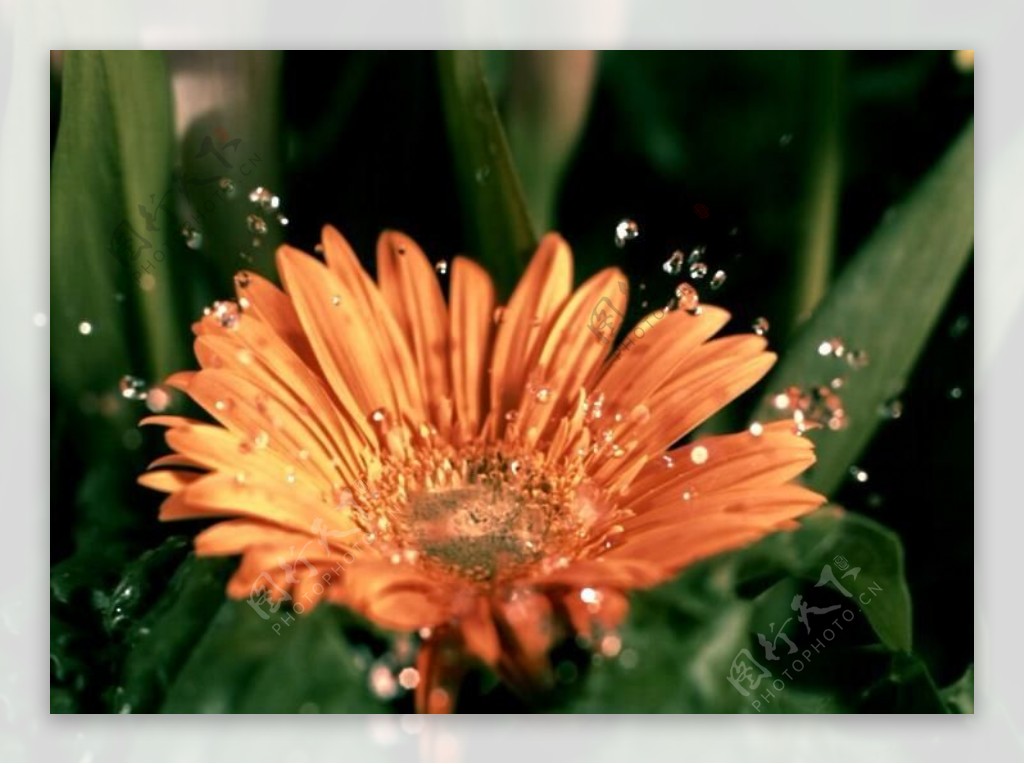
775,166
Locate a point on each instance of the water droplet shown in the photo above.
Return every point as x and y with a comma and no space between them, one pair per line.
834,346
499,314
760,326
262,439
857,359
858,474
542,394
756,429
256,224
158,399
611,645
698,270
226,313
699,455
222,405
689,494
956,393
482,173
626,230
336,300
511,416
283,221
590,596
441,267
892,409
382,682
289,476
674,264
193,238
39,319
227,188
132,388
378,415
668,461
85,328
785,139
718,279
409,678
688,298
242,279
319,249
264,198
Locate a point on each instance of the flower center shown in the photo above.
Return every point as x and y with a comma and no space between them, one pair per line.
489,517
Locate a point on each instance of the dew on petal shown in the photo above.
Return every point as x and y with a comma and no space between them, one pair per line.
718,279
85,328
242,279
760,326
226,186
699,455
688,298
756,429
858,474
698,270
336,300
225,312
441,267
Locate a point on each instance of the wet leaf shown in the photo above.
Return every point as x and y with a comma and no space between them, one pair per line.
495,215
110,222
886,302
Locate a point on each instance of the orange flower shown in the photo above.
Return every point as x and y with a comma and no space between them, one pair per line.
492,477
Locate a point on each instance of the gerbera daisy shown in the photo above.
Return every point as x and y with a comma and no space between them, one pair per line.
494,478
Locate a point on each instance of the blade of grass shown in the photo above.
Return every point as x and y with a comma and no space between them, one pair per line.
496,220
886,301
109,234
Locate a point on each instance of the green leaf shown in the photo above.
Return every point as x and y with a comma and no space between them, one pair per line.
244,665
886,301
834,537
680,639
959,696
111,169
495,216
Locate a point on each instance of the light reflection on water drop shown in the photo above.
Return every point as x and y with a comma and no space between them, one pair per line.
626,230
132,388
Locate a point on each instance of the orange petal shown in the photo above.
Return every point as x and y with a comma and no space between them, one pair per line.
472,328
411,289
526,321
